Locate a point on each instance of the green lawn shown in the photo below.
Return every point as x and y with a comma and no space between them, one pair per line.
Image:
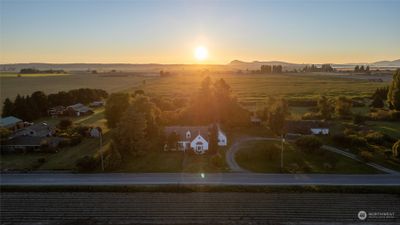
21,161
390,128
256,156
156,161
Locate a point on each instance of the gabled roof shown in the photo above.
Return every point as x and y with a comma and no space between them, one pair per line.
79,107
9,121
194,131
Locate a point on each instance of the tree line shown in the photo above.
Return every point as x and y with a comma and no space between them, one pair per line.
37,104
361,69
314,68
271,69
34,71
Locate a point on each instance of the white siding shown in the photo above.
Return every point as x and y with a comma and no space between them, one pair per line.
199,144
222,141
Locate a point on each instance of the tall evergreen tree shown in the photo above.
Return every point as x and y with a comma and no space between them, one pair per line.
393,97
8,108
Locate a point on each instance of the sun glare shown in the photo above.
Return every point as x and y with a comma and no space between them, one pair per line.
201,53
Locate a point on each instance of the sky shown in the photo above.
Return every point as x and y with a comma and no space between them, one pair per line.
164,31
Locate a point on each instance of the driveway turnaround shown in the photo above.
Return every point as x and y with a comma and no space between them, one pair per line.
115,179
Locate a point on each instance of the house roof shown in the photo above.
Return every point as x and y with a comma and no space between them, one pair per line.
9,121
304,126
194,131
41,129
79,107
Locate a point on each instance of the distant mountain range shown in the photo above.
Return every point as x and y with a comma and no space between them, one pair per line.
394,63
154,67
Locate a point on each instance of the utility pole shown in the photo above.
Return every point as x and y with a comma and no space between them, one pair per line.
101,152
283,140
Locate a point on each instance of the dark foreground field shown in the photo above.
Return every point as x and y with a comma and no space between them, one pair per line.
194,208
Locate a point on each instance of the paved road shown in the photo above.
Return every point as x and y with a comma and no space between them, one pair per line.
67,208
195,178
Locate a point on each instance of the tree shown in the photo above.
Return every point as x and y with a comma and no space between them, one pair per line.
116,105
39,99
112,159
357,69
65,124
325,107
396,149
377,102
213,139
343,106
172,140
21,109
130,134
309,144
393,96
277,115
4,135
8,108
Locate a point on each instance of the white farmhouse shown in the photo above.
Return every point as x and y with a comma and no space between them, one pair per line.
195,138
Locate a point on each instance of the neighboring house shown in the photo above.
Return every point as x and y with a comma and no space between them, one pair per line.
56,111
35,130
255,120
195,138
12,123
307,127
96,104
78,109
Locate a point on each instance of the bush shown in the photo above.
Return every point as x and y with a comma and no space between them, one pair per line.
375,138
41,160
366,156
86,164
65,124
308,143
349,141
396,149
75,140
358,119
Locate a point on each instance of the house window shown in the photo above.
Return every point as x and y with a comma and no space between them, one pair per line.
188,135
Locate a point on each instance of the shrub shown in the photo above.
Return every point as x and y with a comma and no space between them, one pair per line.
358,119
308,143
396,149
75,140
349,140
65,124
86,164
366,156
375,138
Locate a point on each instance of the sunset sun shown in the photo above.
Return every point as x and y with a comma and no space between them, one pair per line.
201,53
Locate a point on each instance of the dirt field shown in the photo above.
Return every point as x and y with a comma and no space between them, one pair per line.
194,208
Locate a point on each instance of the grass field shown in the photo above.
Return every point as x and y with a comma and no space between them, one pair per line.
3,74
255,88
12,86
254,156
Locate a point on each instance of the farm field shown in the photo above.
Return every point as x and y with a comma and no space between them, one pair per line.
18,75
255,88
264,157
12,86
191,208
